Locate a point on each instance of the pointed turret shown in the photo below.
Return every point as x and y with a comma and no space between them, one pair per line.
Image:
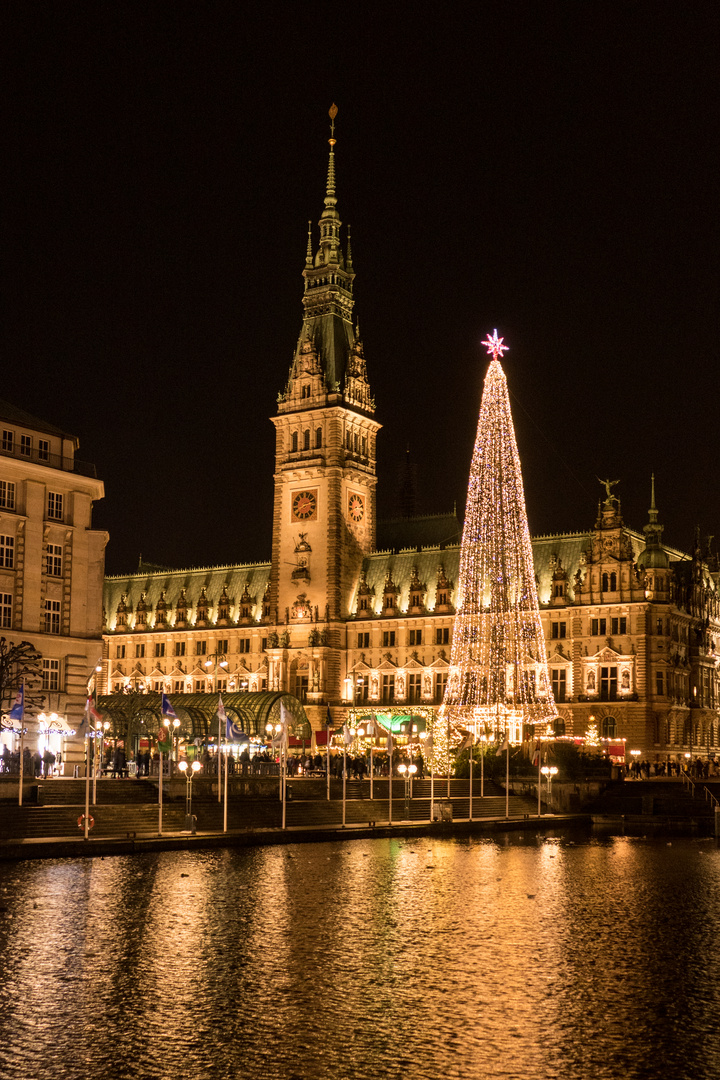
328,301
654,555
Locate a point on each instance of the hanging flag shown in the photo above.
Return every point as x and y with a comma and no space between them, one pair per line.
18,710
166,709
429,742
234,733
390,744
285,716
221,714
468,741
164,738
91,718
328,718
505,744
348,735
536,754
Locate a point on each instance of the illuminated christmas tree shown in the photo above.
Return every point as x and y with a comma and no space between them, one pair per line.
498,677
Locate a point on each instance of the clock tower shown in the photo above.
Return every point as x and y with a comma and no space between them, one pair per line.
325,472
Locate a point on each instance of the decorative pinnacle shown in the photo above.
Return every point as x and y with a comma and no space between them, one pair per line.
495,345
330,190
308,254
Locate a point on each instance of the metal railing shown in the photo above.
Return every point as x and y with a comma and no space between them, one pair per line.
707,793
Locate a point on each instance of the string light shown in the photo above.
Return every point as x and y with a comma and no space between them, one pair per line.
498,677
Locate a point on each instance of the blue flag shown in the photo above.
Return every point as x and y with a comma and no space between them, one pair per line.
233,732
18,710
166,708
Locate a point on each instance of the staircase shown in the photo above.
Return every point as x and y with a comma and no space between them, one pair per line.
31,822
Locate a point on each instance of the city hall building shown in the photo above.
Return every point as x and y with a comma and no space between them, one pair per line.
347,612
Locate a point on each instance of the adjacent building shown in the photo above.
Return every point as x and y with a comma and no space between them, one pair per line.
51,576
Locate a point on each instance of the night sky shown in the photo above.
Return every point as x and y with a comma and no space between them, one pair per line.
549,169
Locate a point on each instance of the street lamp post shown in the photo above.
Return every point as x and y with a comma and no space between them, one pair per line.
549,772
189,774
407,772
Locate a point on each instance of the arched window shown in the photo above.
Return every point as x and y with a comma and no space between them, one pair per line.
348,441
294,442
318,438
613,582
356,442
605,583
609,727
306,440
364,446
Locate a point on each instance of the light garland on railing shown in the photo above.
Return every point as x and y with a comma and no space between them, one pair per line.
499,675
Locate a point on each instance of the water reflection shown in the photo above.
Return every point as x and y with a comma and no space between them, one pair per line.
513,957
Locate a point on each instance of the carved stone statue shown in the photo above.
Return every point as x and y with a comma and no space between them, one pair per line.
608,485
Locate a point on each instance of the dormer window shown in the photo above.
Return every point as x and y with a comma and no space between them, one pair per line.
609,582
559,589
442,598
306,390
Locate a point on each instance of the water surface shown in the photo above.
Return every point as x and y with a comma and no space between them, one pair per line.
516,957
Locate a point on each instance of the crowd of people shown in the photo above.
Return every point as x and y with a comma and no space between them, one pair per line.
35,764
697,767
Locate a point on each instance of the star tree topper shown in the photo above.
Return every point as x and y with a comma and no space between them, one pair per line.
495,345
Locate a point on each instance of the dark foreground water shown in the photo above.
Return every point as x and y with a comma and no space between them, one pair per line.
519,956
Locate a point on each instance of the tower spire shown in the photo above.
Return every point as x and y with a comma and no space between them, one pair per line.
328,299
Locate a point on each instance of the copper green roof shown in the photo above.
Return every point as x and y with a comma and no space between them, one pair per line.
212,579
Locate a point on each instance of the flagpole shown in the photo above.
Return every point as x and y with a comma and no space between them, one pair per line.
328,721
539,757
226,797
482,769
219,758
344,777
19,706
160,793
472,745
22,743
371,766
283,764
507,774
432,787
390,784
87,780
94,797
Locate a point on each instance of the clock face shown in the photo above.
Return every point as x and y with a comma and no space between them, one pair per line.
304,506
356,507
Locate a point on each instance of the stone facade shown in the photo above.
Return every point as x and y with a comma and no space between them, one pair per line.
632,627
51,571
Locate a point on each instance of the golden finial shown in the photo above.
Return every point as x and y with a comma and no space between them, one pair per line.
332,113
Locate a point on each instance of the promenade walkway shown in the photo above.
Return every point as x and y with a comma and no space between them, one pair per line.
126,815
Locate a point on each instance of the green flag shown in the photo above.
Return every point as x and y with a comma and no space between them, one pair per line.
164,738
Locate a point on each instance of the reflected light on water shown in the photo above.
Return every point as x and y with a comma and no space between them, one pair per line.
520,956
